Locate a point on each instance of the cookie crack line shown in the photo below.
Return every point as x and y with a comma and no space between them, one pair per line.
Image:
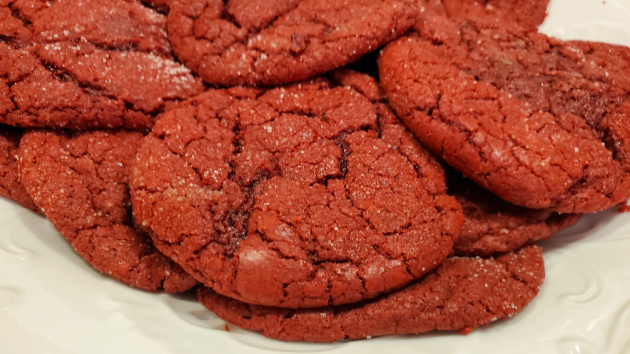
516,277
550,50
250,35
271,22
11,97
131,45
262,57
17,14
8,39
90,89
291,35
588,135
238,143
515,144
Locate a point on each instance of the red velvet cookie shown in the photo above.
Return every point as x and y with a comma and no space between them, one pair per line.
462,293
106,66
273,42
118,25
491,225
540,122
10,186
528,13
288,197
80,183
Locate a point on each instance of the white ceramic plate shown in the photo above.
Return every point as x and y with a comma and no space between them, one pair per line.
52,302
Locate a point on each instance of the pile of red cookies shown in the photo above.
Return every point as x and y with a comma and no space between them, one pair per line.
317,170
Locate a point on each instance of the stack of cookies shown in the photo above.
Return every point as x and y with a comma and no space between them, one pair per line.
314,170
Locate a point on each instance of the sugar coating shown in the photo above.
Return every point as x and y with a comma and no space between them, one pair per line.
462,293
289,197
491,225
107,66
274,42
115,24
537,121
79,182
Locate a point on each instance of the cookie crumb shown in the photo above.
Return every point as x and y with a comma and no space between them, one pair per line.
466,330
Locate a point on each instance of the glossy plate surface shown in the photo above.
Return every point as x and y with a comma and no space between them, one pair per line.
52,302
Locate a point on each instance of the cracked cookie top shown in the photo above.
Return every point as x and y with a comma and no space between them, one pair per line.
241,42
109,65
540,122
461,294
291,197
108,24
80,183
491,225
